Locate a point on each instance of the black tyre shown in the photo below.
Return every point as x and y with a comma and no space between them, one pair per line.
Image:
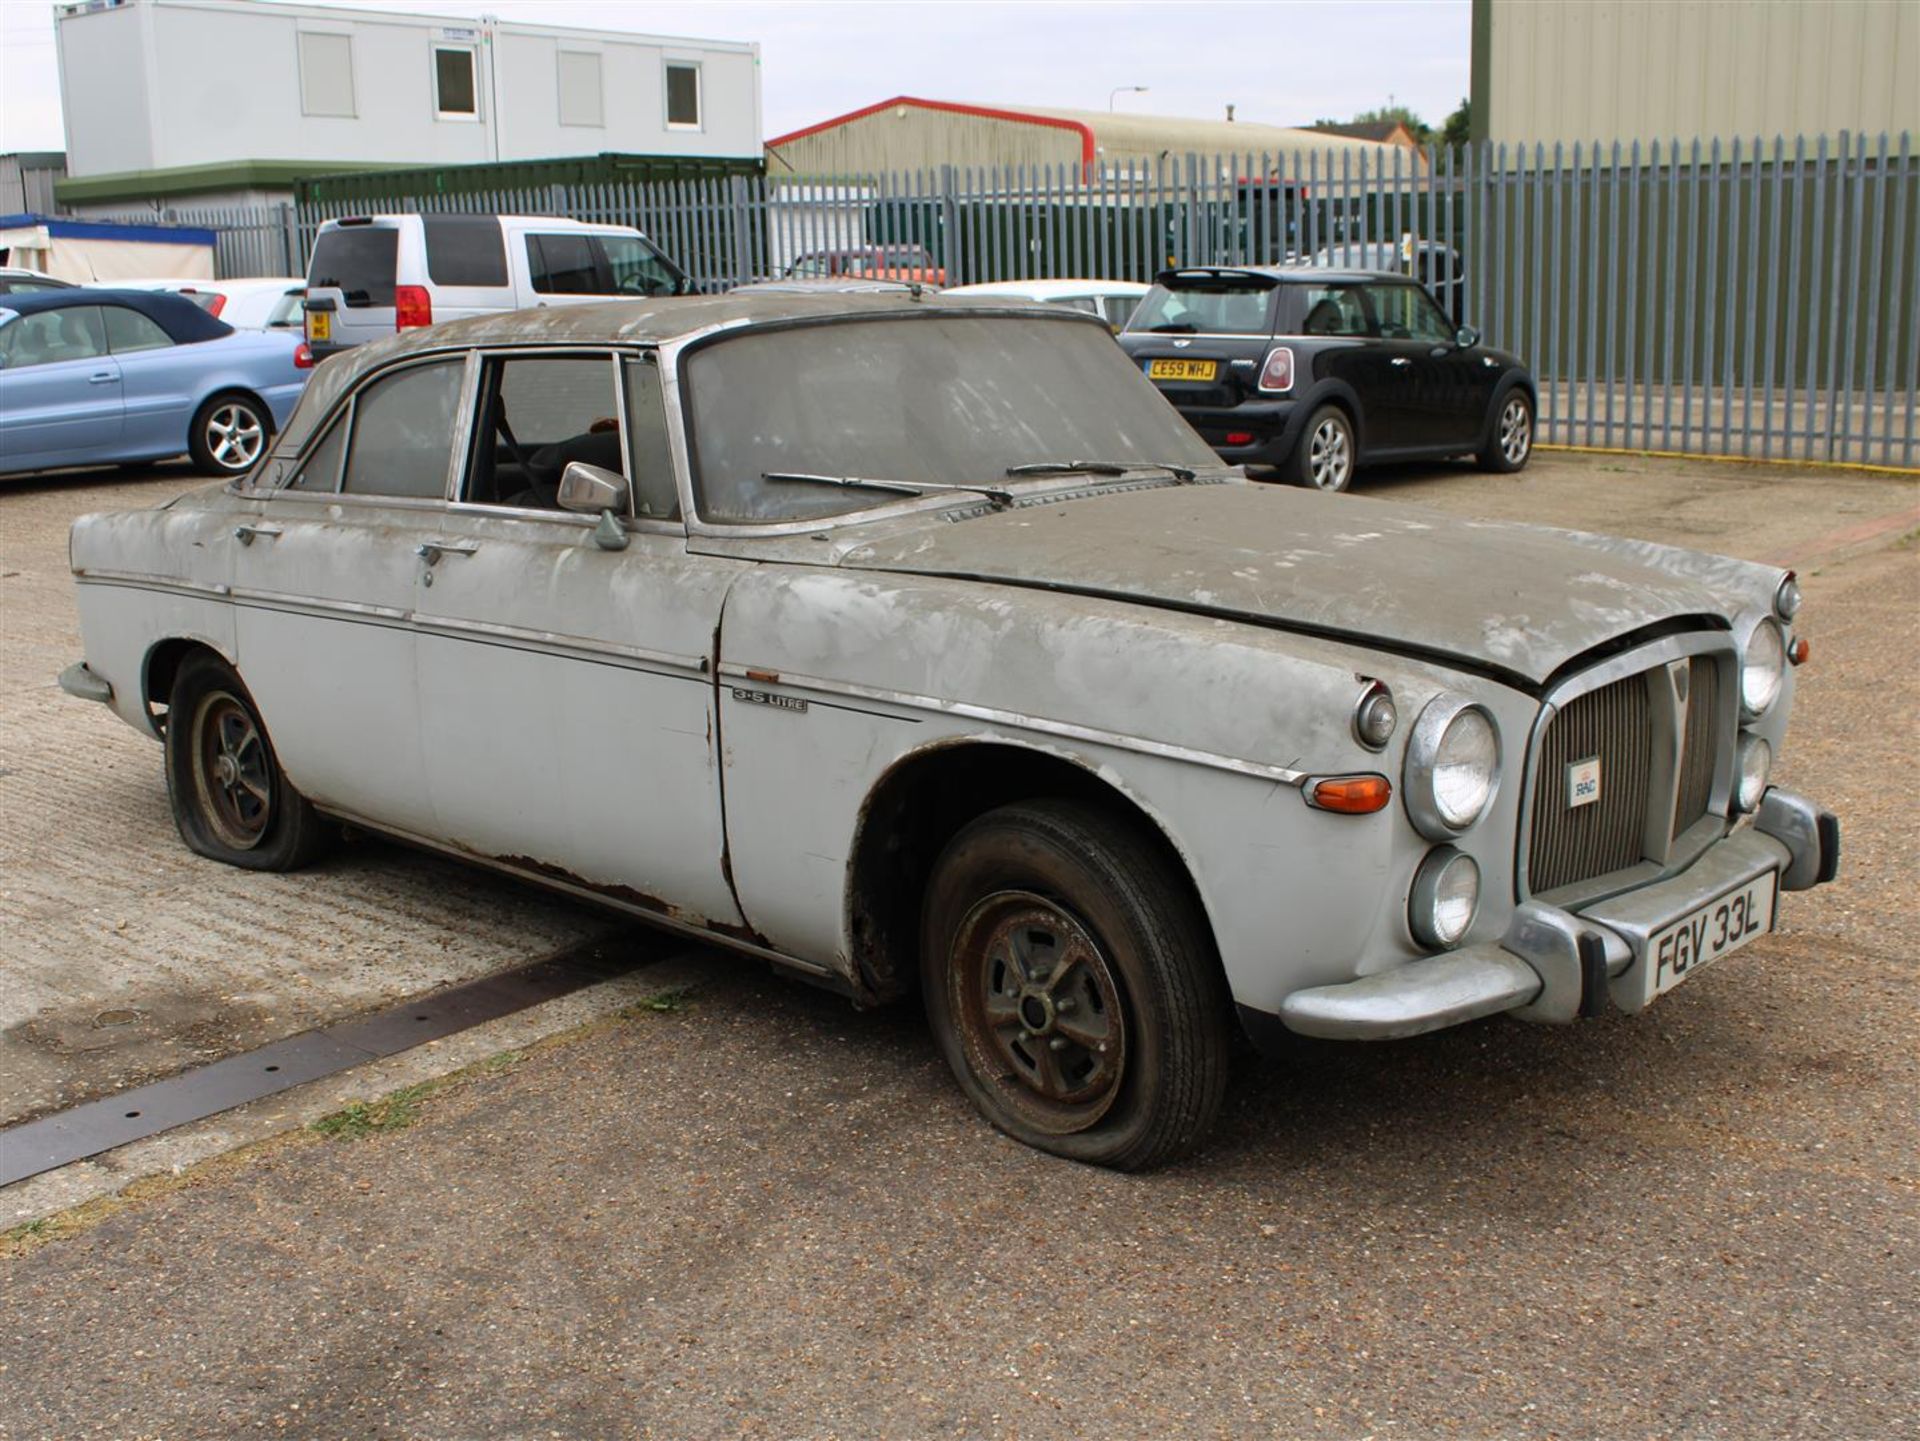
1072,986
229,433
1510,442
1325,455
230,798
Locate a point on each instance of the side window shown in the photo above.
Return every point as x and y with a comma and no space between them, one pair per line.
130,330
403,432
655,495
635,267
464,250
1405,312
453,87
561,265
537,414
1333,310
321,469
1119,309
683,97
48,337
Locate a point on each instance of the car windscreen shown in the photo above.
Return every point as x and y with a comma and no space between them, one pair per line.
950,399
358,260
1204,310
636,267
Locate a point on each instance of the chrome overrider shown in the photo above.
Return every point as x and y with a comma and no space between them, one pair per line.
1557,965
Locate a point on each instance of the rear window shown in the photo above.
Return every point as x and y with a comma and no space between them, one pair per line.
1212,310
359,261
465,250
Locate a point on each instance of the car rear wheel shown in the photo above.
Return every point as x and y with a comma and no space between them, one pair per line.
231,800
1511,444
229,434
1324,456
1072,986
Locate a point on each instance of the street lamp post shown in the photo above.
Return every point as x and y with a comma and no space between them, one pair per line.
1124,89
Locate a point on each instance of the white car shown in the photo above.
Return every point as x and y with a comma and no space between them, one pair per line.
923,647
255,303
18,280
1112,300
374,275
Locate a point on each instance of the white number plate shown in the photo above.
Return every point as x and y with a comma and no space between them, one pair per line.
1725,924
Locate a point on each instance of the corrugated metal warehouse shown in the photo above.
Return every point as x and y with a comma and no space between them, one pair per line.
907,134
1626,70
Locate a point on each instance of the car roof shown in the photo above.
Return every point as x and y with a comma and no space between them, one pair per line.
1051,288
183,321
656,321
1277,274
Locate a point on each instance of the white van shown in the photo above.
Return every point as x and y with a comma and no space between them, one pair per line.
371,275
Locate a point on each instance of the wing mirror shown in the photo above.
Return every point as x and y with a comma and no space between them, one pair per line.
586,488
1466,337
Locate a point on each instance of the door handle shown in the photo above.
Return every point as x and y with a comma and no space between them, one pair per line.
246,533
431,550
1400,361
104,377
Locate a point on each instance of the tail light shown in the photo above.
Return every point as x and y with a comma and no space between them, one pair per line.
412,306
215,304
1277,373
303,356
1238,437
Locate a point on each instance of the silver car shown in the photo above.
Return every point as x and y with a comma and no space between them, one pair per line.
913,646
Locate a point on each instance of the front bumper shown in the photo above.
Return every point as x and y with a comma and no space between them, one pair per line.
1556,965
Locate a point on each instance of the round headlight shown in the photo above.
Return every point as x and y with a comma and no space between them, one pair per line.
1453,764
1375,717
1786,600
1446,893
1762,666
1756,763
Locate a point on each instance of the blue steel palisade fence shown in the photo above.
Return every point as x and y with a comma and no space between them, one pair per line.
1757,299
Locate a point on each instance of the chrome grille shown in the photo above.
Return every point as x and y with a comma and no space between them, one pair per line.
1698,754
1567,844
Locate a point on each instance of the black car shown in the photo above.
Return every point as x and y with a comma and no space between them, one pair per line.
1318,371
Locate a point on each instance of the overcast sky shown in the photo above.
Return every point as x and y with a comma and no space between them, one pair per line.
1281,62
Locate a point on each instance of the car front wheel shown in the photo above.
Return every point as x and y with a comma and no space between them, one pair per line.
1072,986
1511,445
229,434
1324,456
231,800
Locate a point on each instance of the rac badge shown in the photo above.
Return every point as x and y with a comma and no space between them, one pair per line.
1583,782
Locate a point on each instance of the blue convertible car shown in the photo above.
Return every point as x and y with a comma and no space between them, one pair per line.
93,377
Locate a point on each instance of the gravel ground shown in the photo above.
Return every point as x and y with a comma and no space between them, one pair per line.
755,1212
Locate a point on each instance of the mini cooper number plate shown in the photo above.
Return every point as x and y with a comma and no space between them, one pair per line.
1722,925
1182,369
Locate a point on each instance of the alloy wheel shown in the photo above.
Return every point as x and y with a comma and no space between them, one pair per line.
235,436
1516,431
1329,455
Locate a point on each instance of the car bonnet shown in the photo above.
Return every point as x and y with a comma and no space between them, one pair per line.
1515,601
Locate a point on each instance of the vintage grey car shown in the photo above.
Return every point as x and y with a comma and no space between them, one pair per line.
917,645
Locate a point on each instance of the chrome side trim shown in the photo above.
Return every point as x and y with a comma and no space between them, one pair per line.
589,893
575,646
139,580
1066,730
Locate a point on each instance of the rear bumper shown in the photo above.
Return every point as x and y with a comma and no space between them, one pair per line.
77,680
1556,965
1273,424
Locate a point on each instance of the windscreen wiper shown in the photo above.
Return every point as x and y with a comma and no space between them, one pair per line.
999,495
1181,473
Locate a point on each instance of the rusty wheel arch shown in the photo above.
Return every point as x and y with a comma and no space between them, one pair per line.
921,802
162,664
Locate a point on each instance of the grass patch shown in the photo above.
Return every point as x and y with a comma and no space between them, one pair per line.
678,998
359,1119
27,1231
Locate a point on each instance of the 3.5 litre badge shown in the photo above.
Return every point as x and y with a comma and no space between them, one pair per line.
1583,782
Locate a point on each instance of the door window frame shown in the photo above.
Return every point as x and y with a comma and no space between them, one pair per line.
344,413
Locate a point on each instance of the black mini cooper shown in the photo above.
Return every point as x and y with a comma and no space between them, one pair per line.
1318,371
